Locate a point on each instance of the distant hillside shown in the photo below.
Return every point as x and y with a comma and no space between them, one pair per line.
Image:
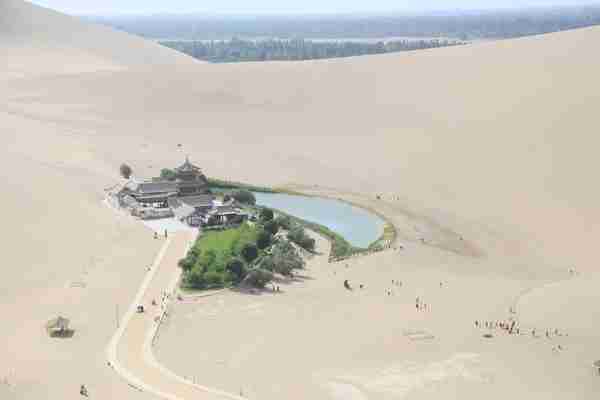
464,26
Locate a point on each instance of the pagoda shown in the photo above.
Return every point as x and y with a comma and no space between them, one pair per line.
190,180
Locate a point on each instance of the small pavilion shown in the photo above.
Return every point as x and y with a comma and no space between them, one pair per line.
59,327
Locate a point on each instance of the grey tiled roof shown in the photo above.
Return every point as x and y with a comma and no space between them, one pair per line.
156,187
226,210
201,200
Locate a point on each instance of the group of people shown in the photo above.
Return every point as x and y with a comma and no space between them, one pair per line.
512,328
156,234
420,305
390,291
509,326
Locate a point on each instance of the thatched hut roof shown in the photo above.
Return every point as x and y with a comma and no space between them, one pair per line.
58,324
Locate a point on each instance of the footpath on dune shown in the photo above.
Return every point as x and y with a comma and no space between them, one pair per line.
129,352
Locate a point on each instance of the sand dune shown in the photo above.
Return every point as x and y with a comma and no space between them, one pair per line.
494,142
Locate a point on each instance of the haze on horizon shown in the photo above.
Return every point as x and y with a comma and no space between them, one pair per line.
273,7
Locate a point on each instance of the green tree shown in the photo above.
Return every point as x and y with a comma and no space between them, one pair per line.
237,269
259,277
214,278
244,196
271,226
284,222
195,278
168,174
249,252
266,214
185,264
264,239
207,258
283,259
125,171
299,236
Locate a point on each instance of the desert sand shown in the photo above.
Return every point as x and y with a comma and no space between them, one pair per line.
483,155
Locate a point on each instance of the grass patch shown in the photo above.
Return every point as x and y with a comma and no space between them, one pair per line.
227,241
388,236
222,184
208,263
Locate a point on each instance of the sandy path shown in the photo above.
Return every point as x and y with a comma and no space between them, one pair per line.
130,350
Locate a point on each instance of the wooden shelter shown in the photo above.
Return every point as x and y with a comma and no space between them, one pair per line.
59,327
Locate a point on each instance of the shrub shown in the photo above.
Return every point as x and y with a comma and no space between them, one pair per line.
185,264
244,196
267,263
271,226
125,171
237,269
298,236
213,278
266,214
249,252
167,174
264,239
207,258
283,259
195,278
284,222
259,277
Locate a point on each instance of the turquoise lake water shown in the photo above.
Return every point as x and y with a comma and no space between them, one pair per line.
358,226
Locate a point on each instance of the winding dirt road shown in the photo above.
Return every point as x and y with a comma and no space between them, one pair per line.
129,352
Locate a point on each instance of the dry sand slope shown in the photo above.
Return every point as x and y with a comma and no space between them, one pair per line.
494,142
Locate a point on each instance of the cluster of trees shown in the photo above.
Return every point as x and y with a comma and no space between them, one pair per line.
282,259
299,236
236,50
452,24
250,254
295,232
244,196
339,246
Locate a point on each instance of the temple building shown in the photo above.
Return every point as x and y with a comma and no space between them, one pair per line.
186,196
188,181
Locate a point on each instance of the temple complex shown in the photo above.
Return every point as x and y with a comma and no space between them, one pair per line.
185,196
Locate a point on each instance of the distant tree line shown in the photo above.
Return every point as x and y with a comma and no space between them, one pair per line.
237,50
464,25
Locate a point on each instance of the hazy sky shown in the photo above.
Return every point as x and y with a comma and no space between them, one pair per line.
282,6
